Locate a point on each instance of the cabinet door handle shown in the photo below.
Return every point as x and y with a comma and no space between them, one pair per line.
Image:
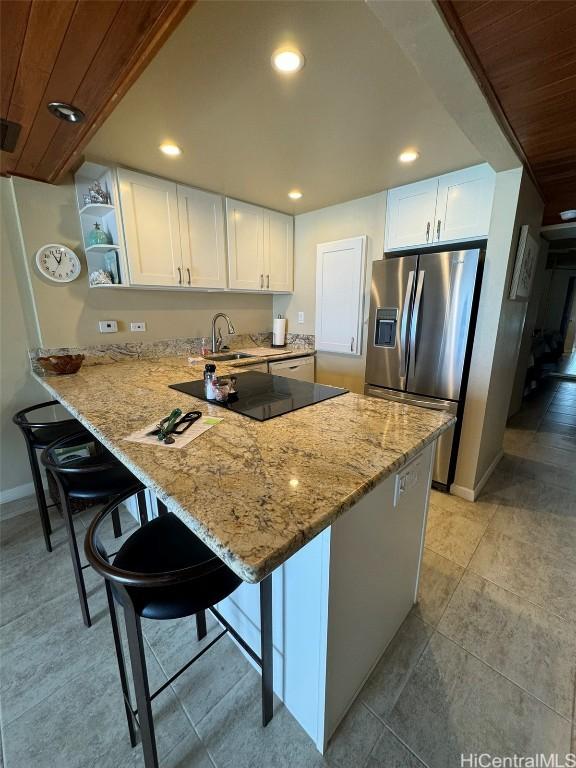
267,281
261,281
352,344
179,275
427,231
438,229
189,278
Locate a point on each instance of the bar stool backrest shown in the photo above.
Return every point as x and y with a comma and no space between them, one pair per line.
20,418
97,557
59,458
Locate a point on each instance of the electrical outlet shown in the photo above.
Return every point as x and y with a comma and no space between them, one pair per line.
300,317
137,326
108,326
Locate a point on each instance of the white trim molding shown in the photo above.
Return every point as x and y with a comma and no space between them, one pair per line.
471,494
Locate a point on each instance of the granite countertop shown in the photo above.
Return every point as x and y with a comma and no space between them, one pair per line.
254,492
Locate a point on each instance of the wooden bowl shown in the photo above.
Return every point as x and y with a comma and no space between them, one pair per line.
61,364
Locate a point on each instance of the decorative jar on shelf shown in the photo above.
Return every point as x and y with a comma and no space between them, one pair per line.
111,266
97,236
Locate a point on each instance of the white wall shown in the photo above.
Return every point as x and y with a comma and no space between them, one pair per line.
364,216
498,332
17,389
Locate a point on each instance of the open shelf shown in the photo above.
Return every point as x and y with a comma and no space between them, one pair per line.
97,209
102,248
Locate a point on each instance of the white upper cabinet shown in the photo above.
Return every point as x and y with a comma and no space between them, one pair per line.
202,234
149,209
410,214
278,251
340,269
447,209
260,248
464,204
245,229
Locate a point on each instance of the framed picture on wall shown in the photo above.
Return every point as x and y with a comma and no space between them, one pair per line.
525,266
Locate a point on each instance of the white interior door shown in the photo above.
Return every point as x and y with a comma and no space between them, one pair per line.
340,269
278,251
149,210
464,204
201,217
245,230
410,214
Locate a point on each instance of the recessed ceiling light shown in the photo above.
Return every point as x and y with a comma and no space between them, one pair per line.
287,60
408,156
66,112
295,194
170,149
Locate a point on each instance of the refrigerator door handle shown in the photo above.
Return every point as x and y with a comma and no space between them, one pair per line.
416,315
404,326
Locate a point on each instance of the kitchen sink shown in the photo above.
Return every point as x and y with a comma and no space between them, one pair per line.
227,356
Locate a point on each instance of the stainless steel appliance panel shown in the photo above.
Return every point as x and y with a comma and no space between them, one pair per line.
393,283
440,321
444,443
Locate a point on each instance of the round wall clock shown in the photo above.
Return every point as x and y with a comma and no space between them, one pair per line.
58,263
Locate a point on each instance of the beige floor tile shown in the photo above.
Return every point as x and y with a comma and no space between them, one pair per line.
528,570
453,535
389,752
526,643
395,667
438,580
455,704
355,738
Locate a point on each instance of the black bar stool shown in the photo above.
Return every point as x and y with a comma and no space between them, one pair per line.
38,435
83,469
163,571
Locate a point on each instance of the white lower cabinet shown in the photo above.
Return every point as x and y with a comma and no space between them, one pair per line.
338,602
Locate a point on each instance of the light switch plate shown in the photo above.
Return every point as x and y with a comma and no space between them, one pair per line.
107,326
300,317
137,326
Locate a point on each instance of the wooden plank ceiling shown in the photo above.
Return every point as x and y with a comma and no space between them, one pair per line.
523,53
84,52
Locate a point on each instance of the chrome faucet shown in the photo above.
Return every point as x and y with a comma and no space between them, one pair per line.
217,342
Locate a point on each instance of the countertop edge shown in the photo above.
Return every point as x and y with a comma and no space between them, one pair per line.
249,574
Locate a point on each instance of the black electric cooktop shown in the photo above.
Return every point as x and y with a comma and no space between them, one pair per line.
262,396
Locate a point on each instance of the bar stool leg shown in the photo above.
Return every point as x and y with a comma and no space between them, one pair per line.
78,575
142,508
266,649
116,525
121,662
201,630
141,686
40,495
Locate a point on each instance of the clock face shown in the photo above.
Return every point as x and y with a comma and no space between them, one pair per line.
58,263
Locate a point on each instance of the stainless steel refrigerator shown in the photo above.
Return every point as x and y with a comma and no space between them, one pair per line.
422,316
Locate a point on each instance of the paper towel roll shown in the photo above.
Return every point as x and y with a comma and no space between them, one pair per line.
279,332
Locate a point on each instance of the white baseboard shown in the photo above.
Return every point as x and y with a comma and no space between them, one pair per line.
471,494
18,492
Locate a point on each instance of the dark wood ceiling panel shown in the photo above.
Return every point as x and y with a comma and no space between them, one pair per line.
90,22
524,55
85,52
12,31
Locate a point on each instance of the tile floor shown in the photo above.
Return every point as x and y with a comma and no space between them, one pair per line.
484,663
